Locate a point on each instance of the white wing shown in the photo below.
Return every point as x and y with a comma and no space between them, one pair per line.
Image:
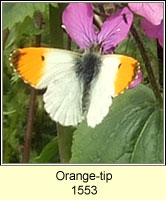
53,69
102,90
63,99
58,65
39,66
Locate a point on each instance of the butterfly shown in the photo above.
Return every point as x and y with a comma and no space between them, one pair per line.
78,86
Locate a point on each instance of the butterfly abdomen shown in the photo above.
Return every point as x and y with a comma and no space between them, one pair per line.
87,69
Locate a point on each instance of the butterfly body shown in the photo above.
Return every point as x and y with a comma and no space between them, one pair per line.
87,69
77,86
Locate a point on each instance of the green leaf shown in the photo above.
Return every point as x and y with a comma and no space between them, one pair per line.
16,12
65,135
49,152
28,28
54,4
9,112
132,132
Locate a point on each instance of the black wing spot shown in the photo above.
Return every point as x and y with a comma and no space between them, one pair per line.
119,65
42,58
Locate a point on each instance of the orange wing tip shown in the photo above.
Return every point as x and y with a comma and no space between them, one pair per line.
11,61
126,75
29,64
14,58
132,82
136,77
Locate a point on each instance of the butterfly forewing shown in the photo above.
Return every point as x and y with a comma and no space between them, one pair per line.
40,66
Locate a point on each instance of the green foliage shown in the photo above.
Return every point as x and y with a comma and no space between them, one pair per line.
16,12
49,153
23,32
14,122
132,132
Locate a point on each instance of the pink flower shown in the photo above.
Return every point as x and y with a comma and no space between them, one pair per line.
153,31
153,12
78,21
137,81
153,22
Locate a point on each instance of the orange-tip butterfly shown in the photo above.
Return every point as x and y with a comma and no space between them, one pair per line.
78,86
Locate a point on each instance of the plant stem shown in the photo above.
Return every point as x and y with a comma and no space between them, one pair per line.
28,136
102,12
148,66
68,43
56,33
160,63
65,134
65,142
31,114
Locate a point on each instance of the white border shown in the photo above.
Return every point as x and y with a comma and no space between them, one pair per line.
67,164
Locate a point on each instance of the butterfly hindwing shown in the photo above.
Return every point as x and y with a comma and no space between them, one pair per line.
63,100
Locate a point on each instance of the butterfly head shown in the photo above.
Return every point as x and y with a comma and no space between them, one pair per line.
96,48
